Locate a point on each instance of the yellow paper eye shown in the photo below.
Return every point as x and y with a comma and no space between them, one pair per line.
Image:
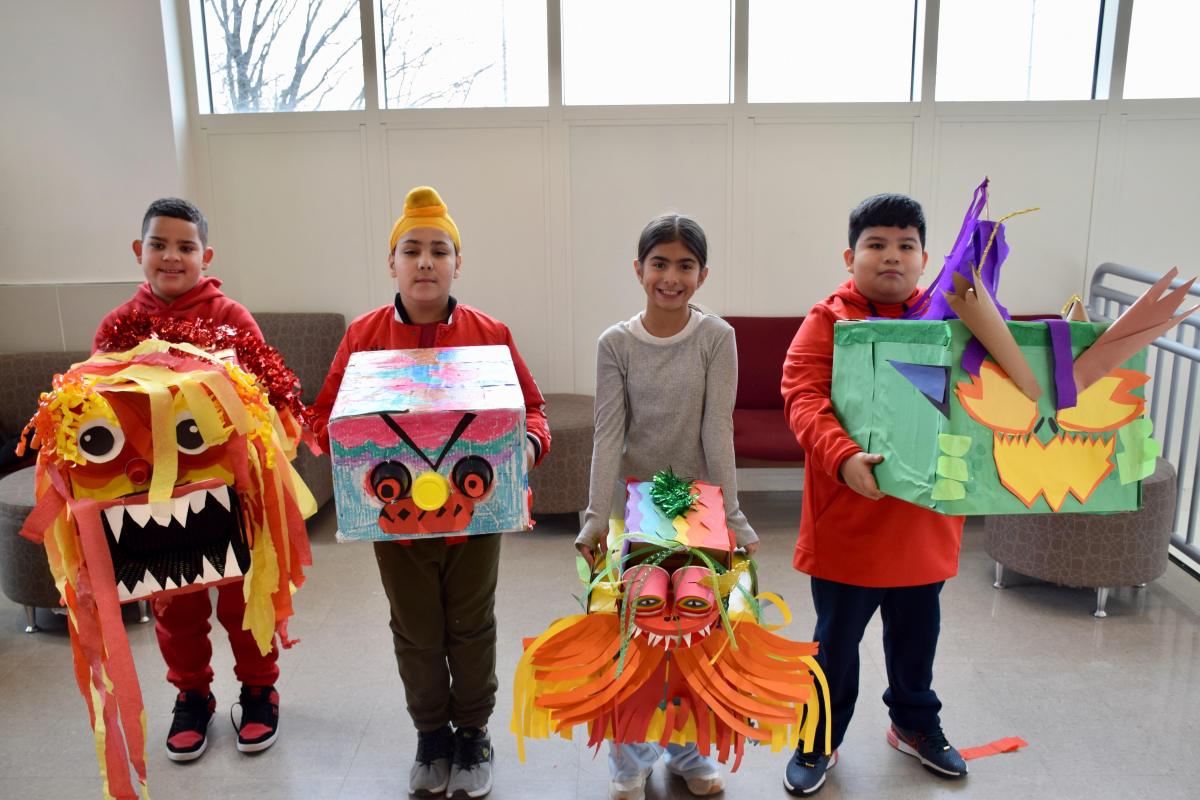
994,401
1107,404
430,491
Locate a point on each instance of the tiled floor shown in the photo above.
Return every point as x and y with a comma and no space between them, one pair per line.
1111,708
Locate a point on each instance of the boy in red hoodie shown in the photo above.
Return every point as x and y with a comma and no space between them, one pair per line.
174,253
442,592
866,551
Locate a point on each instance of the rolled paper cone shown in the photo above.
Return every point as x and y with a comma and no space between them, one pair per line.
1075,311
977,310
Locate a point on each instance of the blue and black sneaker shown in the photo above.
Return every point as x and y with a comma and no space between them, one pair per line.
805,773
931,749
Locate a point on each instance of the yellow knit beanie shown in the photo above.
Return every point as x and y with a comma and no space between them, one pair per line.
423,208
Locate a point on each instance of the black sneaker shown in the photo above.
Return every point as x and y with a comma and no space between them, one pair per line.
431,768
260,718
805,773
189,727
471,771
931,749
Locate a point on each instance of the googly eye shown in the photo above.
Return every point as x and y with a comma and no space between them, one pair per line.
100,440
187,434
693,605
473,476
391,481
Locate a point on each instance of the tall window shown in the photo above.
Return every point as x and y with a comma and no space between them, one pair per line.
806,51
439,54
1163,59
288,55
1017,50
630,52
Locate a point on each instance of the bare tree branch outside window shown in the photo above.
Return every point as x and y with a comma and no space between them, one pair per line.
284,55
405,53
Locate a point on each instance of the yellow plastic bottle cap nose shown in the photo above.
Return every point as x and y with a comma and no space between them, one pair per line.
430,491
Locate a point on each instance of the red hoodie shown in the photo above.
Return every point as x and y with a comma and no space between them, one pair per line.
205,300
845,537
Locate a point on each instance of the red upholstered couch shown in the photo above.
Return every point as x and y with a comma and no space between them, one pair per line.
761,436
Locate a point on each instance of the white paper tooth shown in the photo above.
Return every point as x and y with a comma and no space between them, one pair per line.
180,510
170,584
139,589
139,513
152,584
123,594
687,640
652,639
231,564
161,512
209,574
222,495
196,501
115,516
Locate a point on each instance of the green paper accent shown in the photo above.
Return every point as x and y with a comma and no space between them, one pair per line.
956,446
953,468
1139,452
948,490
886,414
582,568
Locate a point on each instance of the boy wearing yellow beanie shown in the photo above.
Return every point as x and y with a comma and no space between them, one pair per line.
442,591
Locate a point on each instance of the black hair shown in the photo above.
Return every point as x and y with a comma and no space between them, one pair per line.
674,228
887,211
177,209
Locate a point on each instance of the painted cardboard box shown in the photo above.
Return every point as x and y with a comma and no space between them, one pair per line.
974,444
429,443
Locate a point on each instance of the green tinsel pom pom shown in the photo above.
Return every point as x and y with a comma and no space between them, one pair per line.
672,494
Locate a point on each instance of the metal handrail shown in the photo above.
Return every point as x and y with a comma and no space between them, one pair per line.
1171,358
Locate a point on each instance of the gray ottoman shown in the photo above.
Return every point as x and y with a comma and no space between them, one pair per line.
560,482
1096,551
24,572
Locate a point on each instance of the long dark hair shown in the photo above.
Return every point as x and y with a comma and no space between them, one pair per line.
674,228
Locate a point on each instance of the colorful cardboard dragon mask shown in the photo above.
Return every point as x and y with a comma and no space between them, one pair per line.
672,647
162,469
1002,417
429,443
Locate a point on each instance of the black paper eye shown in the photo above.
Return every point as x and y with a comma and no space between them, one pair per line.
390,481
100,440
473,476
187,434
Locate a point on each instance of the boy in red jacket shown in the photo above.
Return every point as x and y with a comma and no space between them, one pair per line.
442,592
174,253
866,551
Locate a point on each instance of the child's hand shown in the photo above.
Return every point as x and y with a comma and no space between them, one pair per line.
530,455
858,472
750,549
589,555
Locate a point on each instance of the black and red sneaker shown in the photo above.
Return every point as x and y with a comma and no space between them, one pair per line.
933,751
260,718
189,726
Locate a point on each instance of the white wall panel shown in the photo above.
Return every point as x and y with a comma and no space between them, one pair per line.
806,177
622,176
288,220
87,139
493,182
1155,208
1044,163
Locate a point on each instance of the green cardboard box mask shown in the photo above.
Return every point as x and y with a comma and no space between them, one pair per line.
974,444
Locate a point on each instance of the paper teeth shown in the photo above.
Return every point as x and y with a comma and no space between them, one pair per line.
222,495
653,639
139,513
209,573
687,640
231,565
196,501
180,510
115,516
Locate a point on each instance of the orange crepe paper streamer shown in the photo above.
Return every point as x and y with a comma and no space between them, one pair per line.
1009,744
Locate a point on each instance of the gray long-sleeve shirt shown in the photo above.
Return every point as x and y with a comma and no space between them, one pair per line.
664,402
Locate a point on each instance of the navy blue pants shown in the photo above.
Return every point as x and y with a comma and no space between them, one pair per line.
911,623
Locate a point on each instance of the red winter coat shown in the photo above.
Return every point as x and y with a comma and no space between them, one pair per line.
381,329
205,300
845,537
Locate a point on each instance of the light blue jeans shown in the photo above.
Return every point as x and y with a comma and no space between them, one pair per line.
627,761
